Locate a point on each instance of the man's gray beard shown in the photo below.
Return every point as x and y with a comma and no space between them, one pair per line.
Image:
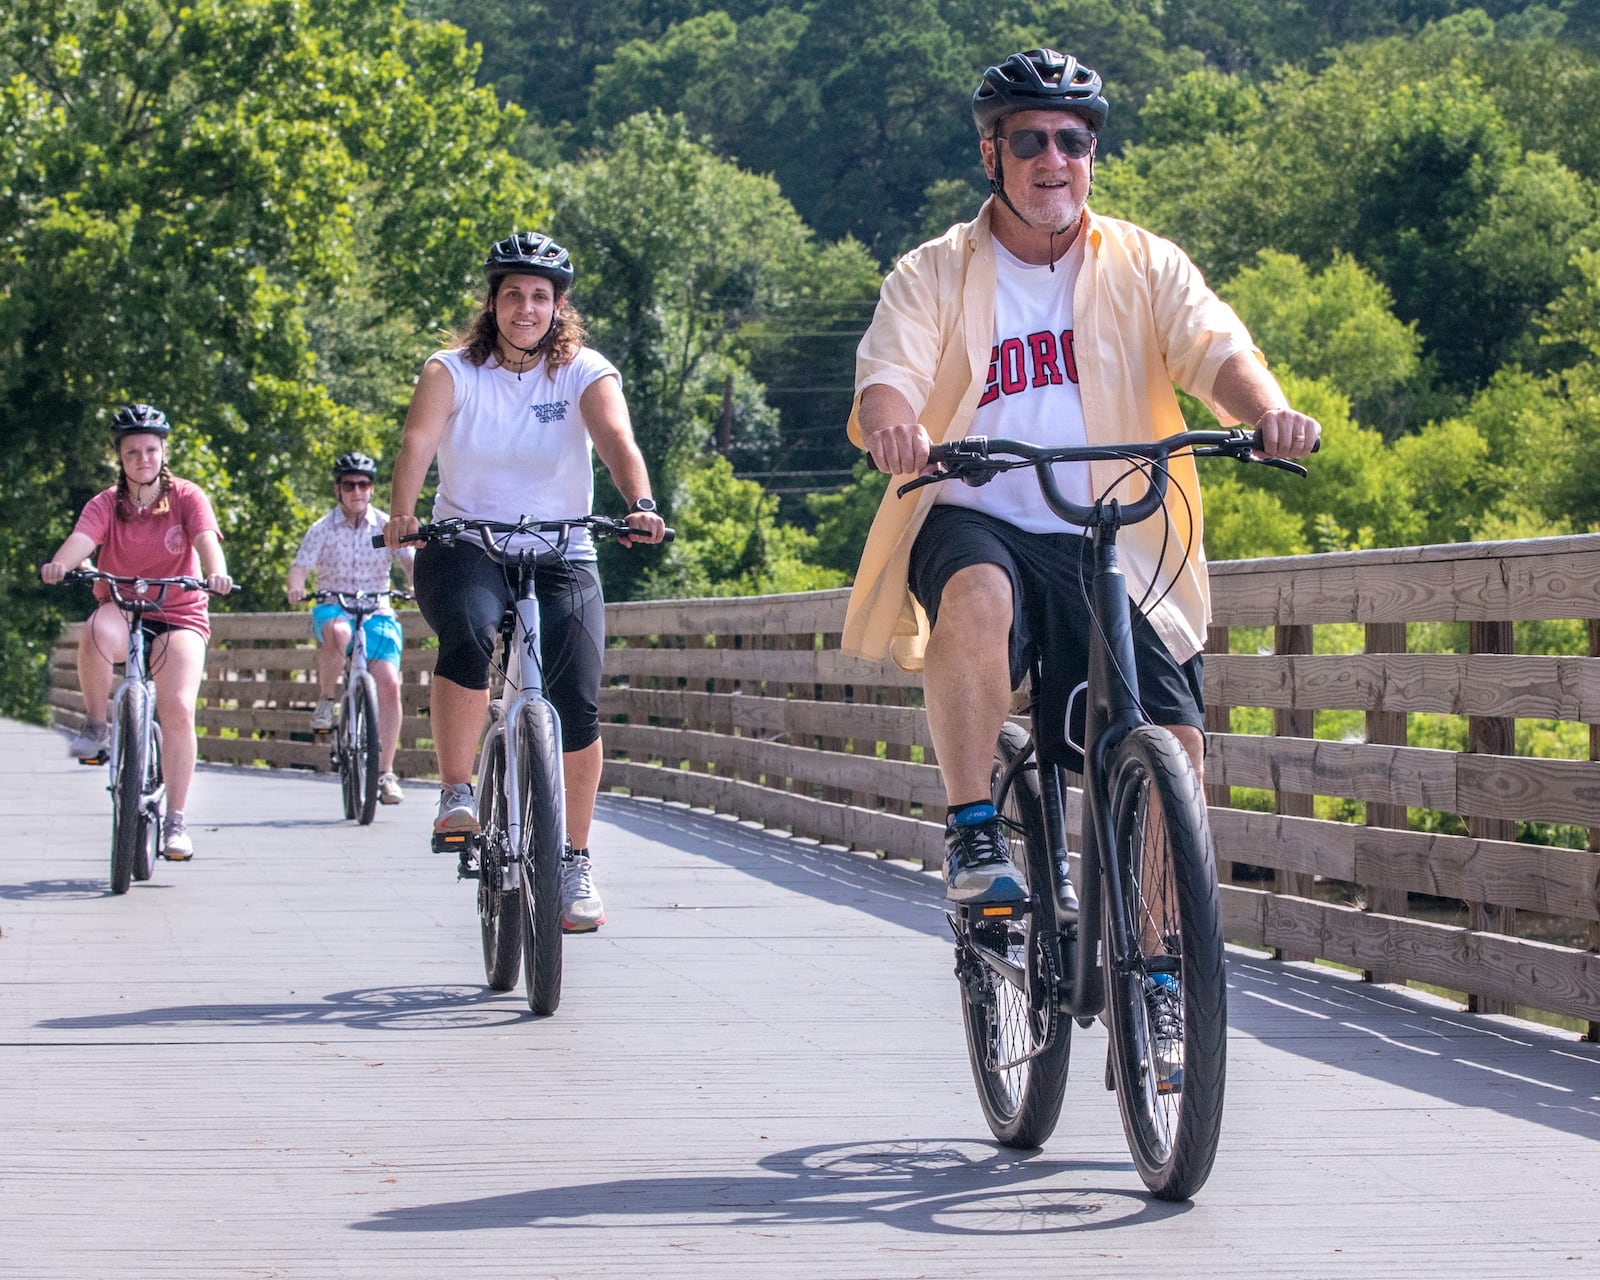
1045,215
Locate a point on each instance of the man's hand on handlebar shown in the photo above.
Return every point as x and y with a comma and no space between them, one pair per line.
651,528
1288,433
398,529
900,449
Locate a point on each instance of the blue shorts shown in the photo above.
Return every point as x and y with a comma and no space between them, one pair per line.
384,638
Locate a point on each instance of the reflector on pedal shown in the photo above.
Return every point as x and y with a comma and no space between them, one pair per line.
1004,909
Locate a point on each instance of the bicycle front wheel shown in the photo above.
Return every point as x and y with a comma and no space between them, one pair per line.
144,862
539,766
499,908
1017,1040
1167,998
127,787
363,743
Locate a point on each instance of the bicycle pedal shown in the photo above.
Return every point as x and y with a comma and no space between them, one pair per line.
458,842
979,912
95,760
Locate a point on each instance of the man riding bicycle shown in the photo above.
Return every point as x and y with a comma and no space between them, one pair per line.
338,550
1038,320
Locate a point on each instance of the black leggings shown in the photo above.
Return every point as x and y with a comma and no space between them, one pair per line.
463,594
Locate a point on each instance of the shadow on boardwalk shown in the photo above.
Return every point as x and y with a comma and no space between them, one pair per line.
939,1186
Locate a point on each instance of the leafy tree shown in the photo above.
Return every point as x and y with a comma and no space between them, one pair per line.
729,543
202,207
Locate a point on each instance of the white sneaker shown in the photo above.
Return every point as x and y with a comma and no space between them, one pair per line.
93,742
389,789
458,810
581,908
1163,996
175,841
322,717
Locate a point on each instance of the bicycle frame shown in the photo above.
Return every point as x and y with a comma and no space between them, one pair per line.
135,672
524,683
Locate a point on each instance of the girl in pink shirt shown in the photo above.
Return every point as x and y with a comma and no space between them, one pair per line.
156,525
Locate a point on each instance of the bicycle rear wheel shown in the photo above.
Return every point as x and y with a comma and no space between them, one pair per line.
364,751
1168,1053
499,908
144,863
539,768
127,786
1017,1040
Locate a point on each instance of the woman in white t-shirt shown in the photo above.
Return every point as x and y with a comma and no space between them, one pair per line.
511,414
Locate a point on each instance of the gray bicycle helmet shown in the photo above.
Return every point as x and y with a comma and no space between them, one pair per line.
139,419
1039,80
529,253
354,464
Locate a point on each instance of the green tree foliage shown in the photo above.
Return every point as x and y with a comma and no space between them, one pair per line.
203,207
729,543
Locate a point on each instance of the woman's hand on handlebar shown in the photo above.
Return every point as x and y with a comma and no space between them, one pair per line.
219,583
398,529
52,571
1288,433
650,528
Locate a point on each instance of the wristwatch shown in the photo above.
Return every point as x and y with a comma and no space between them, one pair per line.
642,504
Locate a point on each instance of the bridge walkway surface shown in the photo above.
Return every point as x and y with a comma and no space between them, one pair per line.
280,1060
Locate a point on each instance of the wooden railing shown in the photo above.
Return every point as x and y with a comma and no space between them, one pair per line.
747,706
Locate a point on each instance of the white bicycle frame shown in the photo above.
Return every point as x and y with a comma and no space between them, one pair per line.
524,683
134,672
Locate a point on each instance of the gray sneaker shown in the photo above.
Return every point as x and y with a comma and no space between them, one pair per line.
978,866
458,810
581,908
322,717
1163,996
389,789
92,744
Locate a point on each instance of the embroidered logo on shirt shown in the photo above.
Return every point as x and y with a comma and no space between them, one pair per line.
553,411
175,540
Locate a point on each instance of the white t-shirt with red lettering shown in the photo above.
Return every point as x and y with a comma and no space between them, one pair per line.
157,542
1032,390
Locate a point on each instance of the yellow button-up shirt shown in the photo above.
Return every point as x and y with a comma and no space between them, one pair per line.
1143,319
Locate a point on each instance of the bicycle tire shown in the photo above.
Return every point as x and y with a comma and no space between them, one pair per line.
127,787
364,748
144,864
345,757
539,771
1021,1102
1169,890
499,908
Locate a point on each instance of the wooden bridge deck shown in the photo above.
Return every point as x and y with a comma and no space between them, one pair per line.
279,1060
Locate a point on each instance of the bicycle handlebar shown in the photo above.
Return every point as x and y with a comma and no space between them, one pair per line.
452,527
116,581
353,601
974,461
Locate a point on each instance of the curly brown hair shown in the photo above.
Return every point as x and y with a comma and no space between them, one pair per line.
566,337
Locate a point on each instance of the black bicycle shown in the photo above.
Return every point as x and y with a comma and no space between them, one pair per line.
516,855
138,789
355,748
1145,945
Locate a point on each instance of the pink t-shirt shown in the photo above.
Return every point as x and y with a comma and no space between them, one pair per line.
159,544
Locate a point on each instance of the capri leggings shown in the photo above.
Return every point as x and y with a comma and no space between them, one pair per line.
463,594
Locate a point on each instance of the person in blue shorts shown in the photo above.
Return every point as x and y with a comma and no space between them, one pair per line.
338,551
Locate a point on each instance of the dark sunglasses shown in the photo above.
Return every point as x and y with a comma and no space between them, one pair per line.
355,484
1024,144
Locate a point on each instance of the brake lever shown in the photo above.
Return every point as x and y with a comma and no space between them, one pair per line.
1283,464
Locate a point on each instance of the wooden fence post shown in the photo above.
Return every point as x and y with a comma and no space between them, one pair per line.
1495,736
1291,722
1389,728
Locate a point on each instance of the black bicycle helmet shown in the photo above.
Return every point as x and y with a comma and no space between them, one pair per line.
529,253
354,464
134,419
1039,80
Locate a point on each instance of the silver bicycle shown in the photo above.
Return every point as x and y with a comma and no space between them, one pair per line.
516,855
355,747
138,789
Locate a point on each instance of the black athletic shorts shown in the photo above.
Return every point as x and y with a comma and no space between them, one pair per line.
463,594
1048,573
